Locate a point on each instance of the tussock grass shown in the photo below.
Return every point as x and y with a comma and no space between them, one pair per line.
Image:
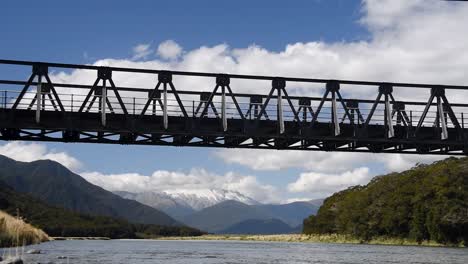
15,232
314,238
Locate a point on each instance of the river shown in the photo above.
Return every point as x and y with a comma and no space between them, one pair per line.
193,252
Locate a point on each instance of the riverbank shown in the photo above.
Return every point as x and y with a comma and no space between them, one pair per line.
81,238
15,232
332,238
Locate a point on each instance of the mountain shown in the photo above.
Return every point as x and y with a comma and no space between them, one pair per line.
427,202
57,221
223,215
160,201
200,199
227,214
292,214
51,182
180,203
259,227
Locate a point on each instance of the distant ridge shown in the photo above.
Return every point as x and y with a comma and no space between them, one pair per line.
51,182
234,216
223,215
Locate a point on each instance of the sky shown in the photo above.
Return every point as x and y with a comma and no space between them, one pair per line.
379,40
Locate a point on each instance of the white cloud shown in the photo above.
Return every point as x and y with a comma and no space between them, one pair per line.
272,160
141,51
169,49
292,200
329,183
162,180
28,152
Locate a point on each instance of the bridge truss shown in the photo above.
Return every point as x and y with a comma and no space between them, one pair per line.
176,112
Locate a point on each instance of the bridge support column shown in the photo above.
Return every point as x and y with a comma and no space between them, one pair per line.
40,70
336,123
38,98
100,93
279,85
103,101
164,78
223,81
385,90
443,108
333,87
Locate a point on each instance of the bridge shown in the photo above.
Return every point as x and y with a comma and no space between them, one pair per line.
176,112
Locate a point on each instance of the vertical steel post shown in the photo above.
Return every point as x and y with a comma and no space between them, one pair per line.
280,112
103,102
71,104
411,117
38,98
388,118
279,84
440,110
165,120
223,108
463,121
334,116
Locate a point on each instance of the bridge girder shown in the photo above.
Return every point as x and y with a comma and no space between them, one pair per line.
237,120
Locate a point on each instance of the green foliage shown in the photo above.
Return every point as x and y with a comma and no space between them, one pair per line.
61,222
428,202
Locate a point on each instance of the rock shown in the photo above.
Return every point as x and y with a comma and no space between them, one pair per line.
33,251
12,261
59,257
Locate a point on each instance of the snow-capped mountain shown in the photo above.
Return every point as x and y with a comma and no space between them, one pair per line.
180,203
200,199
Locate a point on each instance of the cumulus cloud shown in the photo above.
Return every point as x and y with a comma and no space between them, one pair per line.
141,51
28,152
273,160
328,183
169,49
162,180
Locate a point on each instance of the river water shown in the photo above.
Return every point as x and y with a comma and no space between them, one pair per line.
230,252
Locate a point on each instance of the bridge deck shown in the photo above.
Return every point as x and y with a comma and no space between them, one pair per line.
44,109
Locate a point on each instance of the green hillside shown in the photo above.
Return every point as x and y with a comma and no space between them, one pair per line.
56,221
428,202
54,184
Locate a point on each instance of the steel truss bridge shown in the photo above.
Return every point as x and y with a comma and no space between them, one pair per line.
175,111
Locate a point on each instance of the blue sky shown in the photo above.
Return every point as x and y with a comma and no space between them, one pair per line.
83,31
90,31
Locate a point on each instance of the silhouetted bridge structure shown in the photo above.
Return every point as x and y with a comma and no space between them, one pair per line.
176,112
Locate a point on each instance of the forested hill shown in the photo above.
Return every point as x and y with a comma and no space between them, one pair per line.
427,202
54,184
57,221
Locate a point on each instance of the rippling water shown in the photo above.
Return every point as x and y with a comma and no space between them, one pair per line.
177,252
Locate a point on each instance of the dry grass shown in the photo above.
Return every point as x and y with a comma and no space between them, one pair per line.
15,232
331,238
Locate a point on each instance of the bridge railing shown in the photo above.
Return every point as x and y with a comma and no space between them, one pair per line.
169,99
135,105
